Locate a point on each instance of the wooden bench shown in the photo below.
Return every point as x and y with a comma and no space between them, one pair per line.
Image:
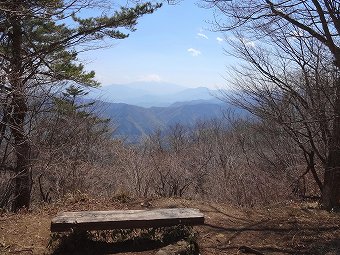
126,219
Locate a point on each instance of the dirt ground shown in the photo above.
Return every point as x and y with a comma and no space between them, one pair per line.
292,228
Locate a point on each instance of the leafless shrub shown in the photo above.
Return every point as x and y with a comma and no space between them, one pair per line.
6,189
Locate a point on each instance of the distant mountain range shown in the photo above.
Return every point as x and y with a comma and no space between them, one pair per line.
148,94
139,109
133,122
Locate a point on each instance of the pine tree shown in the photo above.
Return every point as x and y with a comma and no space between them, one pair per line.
39,45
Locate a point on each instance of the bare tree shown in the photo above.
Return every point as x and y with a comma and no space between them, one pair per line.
294,74
40,41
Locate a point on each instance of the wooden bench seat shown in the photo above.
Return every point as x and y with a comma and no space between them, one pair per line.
126,219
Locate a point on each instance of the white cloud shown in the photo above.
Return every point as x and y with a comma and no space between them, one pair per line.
248,43
219,39
194,52
202,35
243,40
151,77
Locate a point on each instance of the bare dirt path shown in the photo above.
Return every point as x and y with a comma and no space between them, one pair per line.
295,228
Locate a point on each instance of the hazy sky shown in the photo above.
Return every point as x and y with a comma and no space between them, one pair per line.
176,44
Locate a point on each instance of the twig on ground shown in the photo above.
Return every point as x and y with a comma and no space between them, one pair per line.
246,249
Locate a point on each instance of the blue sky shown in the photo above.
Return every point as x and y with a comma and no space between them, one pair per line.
176,44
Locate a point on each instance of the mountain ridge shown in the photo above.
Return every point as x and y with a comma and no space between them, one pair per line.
149,94
134,122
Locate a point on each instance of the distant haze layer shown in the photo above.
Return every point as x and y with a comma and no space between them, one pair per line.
148,94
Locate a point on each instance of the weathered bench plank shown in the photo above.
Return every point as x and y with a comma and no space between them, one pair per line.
126,219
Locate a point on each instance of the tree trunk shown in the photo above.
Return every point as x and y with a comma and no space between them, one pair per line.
331,188
23,181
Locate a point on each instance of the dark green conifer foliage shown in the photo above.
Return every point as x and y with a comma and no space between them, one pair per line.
39,45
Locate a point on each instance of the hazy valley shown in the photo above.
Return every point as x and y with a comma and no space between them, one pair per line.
139,109
266,177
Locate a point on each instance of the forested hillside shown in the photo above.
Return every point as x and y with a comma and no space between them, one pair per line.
134,122
264,157
55,141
